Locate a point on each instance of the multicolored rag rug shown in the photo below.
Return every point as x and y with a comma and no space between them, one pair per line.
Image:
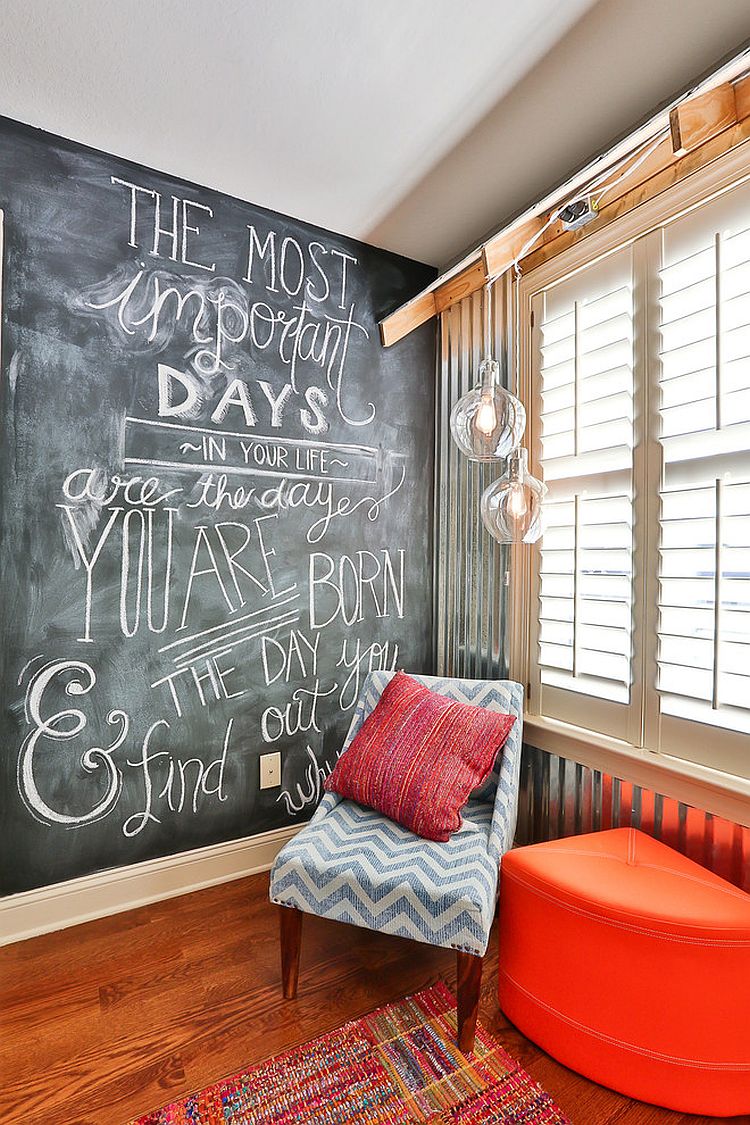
399,1064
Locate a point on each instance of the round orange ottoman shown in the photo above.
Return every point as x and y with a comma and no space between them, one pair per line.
630,964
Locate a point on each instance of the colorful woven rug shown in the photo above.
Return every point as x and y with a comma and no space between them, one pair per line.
397,1064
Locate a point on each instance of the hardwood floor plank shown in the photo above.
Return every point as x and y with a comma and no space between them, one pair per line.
116,1017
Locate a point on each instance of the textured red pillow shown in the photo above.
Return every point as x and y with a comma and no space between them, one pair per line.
418,756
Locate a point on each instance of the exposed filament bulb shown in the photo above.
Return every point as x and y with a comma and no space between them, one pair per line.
486,416
517,503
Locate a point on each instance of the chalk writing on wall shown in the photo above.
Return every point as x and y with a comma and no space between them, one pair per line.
222,509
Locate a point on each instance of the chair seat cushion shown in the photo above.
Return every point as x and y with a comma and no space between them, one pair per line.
419,755
354,865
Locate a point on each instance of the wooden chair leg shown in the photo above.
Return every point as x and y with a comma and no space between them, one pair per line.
291,935
469,986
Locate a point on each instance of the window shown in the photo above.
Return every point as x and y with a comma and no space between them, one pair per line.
586,453
640,426
703,591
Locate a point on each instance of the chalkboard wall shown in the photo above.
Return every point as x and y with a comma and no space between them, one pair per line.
216,507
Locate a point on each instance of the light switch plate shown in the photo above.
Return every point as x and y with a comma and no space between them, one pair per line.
270,770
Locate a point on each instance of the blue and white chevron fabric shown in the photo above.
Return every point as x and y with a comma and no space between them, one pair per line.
354,865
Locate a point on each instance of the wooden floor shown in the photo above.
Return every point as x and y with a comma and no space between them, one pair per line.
116,1017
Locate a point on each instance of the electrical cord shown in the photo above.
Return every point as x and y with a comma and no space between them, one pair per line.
641,154
628,171
629,164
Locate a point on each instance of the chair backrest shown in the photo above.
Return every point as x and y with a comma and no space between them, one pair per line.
496,695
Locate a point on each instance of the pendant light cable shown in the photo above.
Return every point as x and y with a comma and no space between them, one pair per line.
487,318
639,156
628,171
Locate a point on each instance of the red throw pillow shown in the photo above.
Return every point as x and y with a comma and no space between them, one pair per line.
418,756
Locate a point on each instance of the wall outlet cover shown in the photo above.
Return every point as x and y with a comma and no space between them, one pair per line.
270,770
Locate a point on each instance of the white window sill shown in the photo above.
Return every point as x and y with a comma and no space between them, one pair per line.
700,786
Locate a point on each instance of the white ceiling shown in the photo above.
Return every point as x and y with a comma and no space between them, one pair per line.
418,125
328,110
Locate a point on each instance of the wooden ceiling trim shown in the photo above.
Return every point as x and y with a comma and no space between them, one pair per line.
697,120
665,169
501,252
407,318
742,98
468,281
701,129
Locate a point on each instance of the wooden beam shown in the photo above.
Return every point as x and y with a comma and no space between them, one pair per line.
501,251
659,171
699,119
669,175
427,305
704,127
465,283
407,318
742,98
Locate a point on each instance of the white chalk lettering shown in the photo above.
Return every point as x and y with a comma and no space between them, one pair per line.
76,678
299,715
347,589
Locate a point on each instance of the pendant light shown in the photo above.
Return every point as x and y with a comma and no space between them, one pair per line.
511,507
488,422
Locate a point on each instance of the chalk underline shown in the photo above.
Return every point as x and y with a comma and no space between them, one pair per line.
366,450
243,470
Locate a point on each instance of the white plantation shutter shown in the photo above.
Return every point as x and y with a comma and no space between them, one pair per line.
585,332
704,549
640,426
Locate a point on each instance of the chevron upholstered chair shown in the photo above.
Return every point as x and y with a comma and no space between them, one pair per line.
354,865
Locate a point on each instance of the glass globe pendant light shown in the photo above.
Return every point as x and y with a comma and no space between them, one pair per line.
511,507
488,422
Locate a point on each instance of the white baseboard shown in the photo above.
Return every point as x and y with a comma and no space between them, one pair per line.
40,911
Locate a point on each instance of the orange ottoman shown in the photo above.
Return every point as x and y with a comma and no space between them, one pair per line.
631,964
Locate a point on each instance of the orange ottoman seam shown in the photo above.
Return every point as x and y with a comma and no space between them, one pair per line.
631,964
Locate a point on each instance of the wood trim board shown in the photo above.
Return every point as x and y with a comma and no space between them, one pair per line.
701,118
672,173
697,131
79,900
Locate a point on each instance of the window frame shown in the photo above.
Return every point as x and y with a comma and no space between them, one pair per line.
630,757
620,717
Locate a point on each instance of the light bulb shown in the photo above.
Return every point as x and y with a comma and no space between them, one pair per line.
485,419
517,506
487,423
511,506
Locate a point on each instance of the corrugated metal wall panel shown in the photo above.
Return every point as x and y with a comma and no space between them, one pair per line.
563,798
470,575
558,797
